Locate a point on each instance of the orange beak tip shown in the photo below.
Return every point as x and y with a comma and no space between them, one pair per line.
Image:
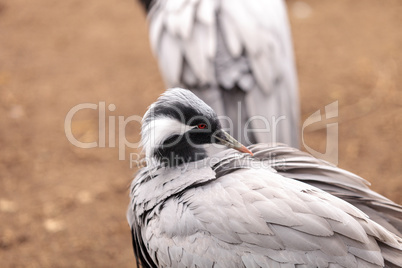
244,149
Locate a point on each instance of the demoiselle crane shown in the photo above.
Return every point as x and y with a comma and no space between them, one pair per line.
190,209
235,55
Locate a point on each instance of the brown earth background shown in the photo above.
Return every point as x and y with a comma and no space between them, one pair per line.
63,206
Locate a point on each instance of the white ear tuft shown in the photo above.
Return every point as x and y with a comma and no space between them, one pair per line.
155,132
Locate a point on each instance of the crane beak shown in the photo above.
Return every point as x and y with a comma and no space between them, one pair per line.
224,138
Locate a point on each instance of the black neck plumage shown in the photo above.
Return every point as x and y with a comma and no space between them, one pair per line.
177,150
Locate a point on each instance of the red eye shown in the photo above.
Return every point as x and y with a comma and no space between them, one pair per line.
201,126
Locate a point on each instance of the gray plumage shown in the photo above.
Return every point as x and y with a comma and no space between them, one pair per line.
233,214
233,210
295,164
237,56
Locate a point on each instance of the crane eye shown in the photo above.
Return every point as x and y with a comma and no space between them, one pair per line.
201,126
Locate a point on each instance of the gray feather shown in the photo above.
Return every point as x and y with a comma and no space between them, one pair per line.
203,215
295,164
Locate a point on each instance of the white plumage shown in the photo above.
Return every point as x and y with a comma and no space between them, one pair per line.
233,210
229,52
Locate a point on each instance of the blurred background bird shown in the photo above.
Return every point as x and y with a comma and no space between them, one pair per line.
235,55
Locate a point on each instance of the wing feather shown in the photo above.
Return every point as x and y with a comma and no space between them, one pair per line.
230,36
240,217
196,52
229,45
298,165
206,12
170,50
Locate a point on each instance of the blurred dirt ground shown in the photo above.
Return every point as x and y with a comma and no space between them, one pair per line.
62,206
